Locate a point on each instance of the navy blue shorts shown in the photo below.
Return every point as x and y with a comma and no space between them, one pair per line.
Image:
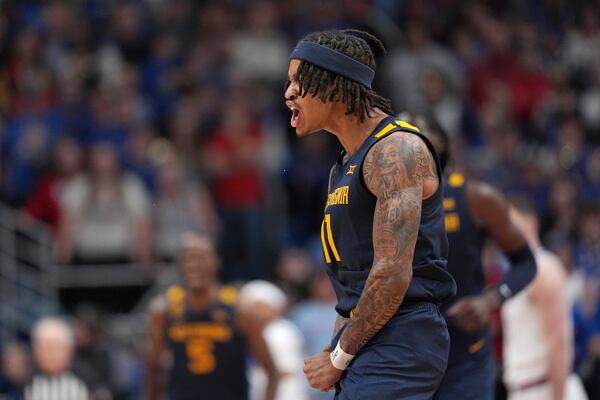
472,378
405,360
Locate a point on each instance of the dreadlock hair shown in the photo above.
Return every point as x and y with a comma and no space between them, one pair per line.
329,86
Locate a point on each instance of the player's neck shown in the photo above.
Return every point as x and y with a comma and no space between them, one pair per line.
201,298
351,132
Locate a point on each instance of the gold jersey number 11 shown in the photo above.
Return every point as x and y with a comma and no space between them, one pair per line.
326,230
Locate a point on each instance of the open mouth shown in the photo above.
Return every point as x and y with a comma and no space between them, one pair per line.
295,113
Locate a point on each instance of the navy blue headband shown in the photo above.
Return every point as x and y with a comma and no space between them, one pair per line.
334,61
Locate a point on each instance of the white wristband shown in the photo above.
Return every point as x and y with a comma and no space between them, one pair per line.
339,358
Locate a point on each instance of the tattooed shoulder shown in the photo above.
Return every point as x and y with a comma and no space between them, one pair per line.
399,160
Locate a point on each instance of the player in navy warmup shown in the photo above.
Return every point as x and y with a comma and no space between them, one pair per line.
206,332
383,231
475,212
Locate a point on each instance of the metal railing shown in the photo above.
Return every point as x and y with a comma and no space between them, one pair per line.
28,287
30,281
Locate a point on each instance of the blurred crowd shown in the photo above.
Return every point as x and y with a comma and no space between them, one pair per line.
124,124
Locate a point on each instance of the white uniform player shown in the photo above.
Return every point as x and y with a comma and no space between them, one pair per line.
286,347
538,345
284,340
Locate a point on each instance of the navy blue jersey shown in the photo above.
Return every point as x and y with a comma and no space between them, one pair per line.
208,351
464,263
347,231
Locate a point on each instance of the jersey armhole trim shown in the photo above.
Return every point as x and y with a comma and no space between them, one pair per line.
417,133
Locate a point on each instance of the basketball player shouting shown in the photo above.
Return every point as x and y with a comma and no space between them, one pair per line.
383,231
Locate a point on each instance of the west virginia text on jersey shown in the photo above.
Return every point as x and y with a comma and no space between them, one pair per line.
338,197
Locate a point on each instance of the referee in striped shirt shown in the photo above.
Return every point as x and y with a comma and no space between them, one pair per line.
53,346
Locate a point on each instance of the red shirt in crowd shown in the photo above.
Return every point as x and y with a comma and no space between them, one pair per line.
43,204
240,184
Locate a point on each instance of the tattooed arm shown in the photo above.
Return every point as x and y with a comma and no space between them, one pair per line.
400,171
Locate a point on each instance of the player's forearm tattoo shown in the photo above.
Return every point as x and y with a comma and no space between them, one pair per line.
395,170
